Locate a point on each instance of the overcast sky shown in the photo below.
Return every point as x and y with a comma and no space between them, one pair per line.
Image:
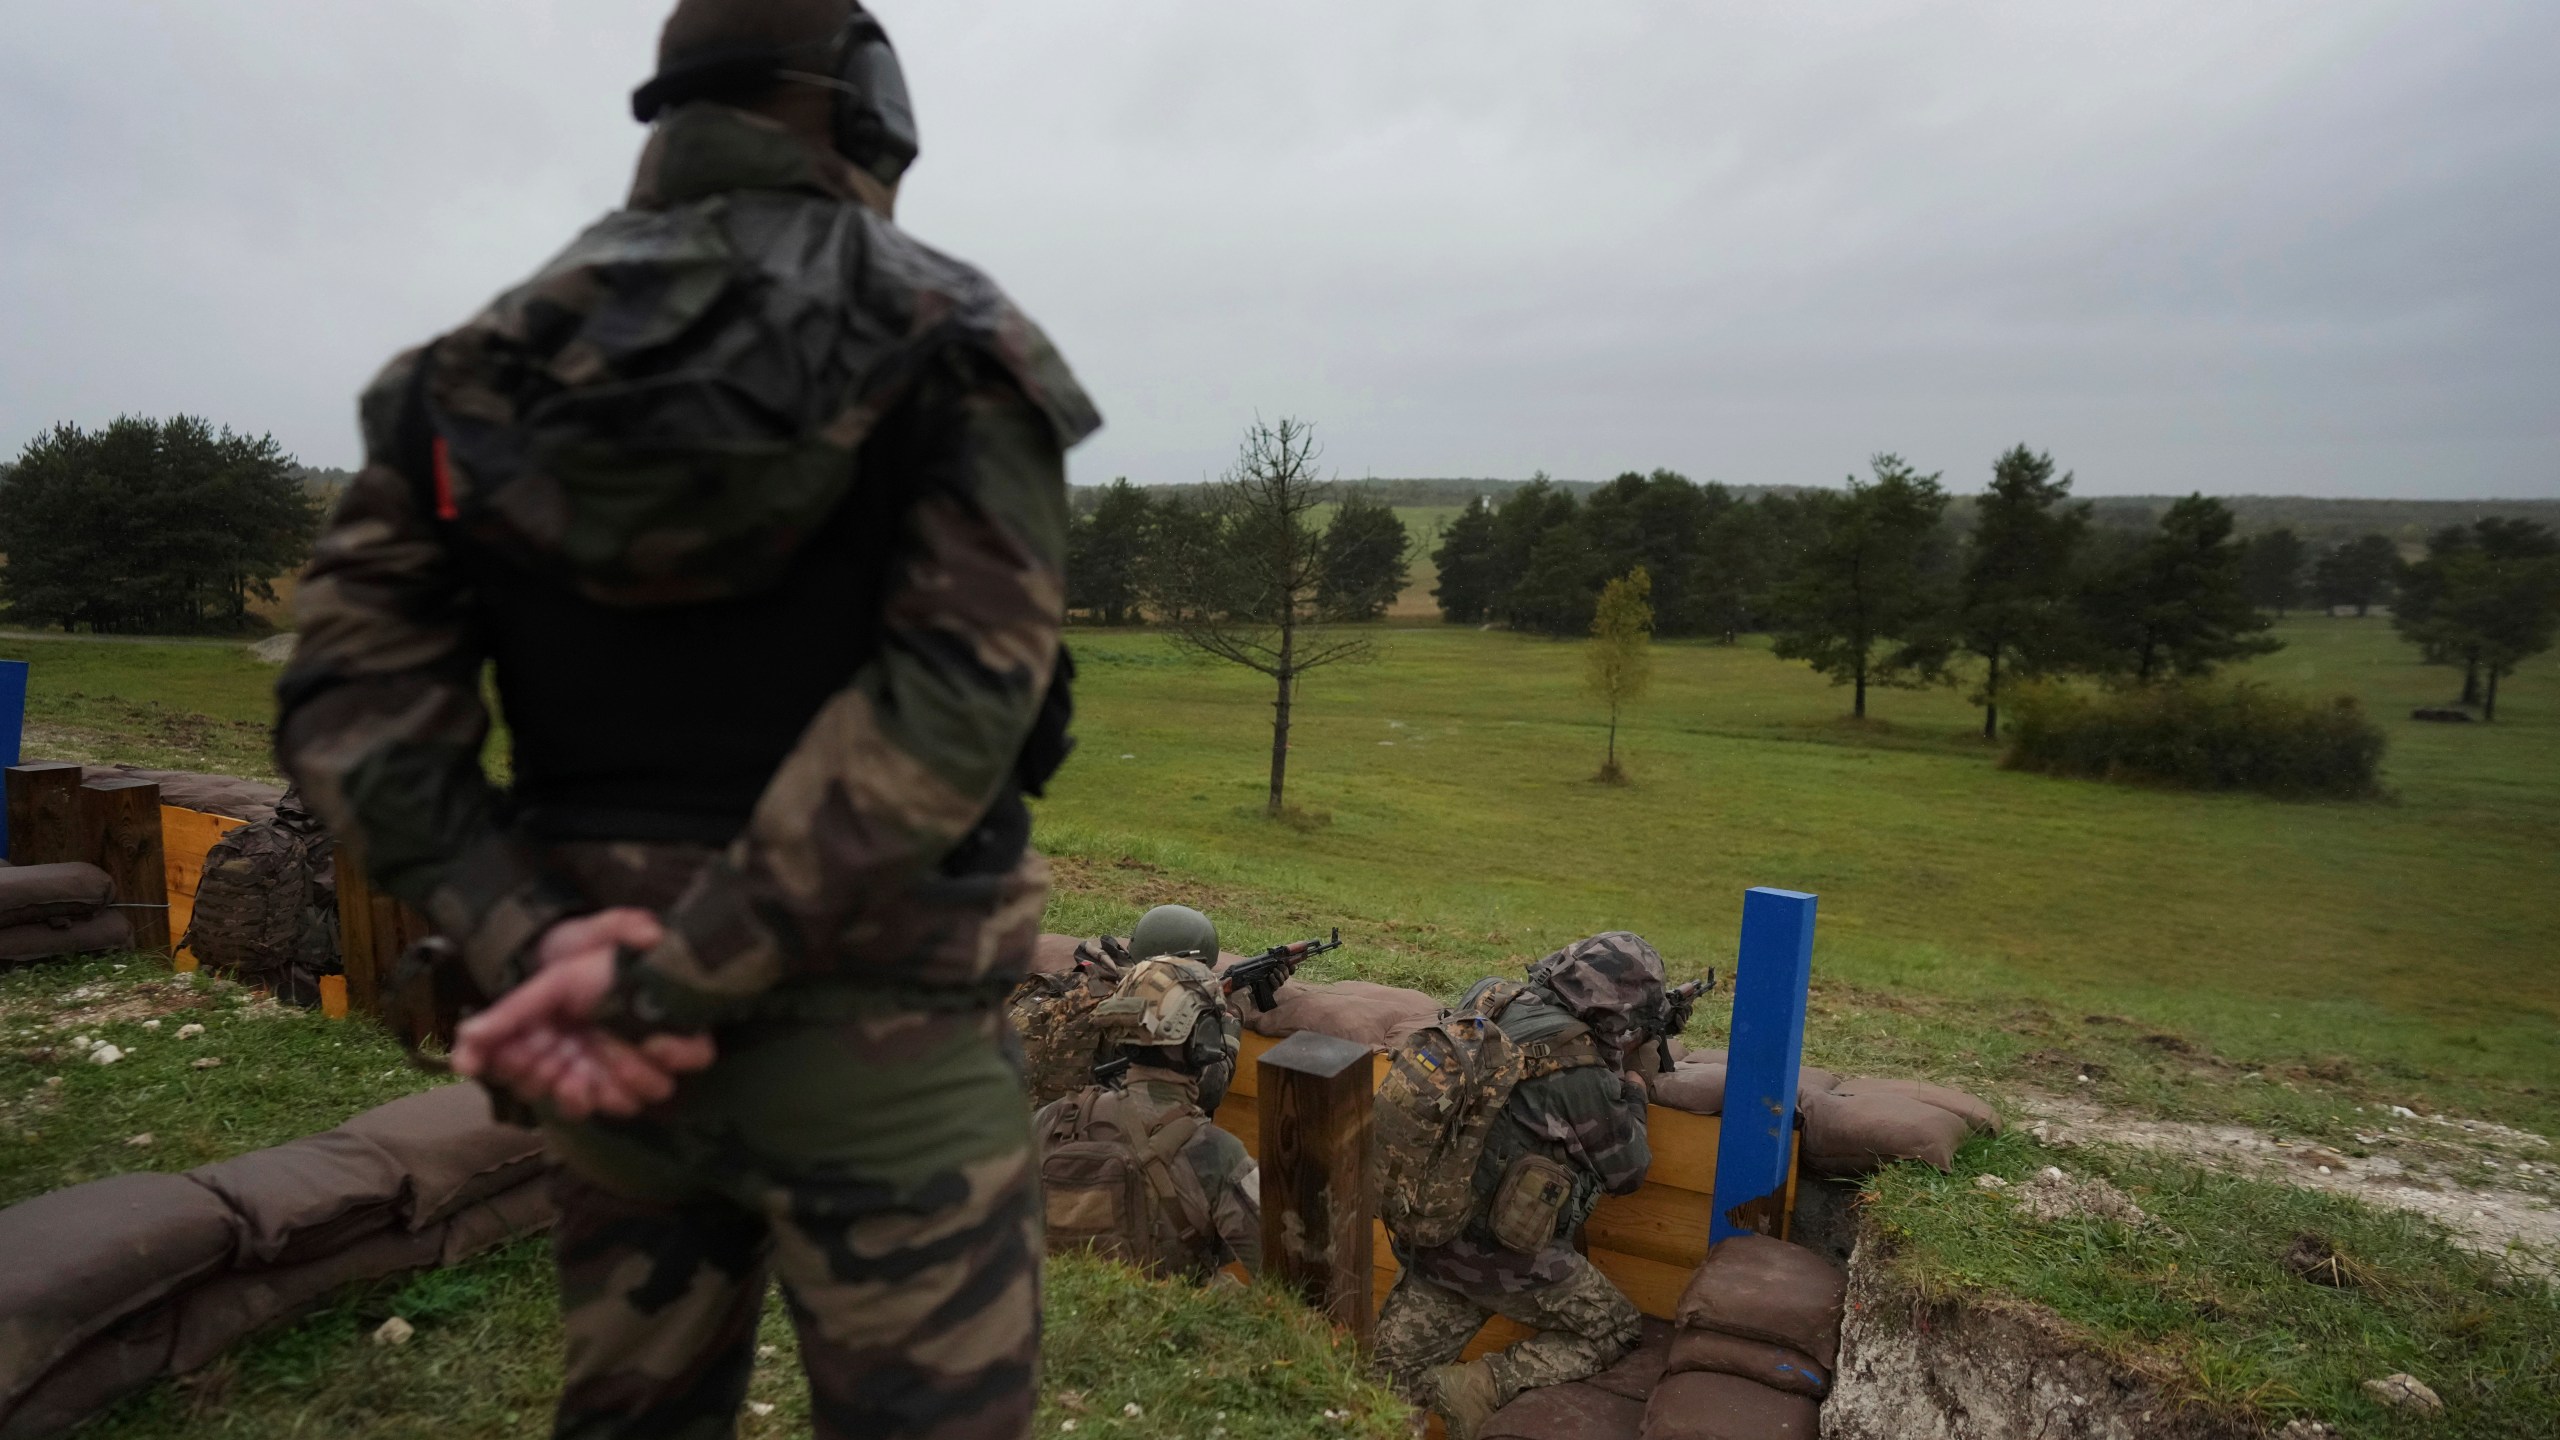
2306,247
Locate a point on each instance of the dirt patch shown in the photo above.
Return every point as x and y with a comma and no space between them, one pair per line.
2418,1163
106,1003
1916,1369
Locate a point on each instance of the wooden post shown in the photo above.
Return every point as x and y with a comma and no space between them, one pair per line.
120,831
355,933
1314,1099
44,813
1755,1149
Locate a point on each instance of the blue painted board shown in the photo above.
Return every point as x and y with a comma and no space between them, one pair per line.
1770,977
13,726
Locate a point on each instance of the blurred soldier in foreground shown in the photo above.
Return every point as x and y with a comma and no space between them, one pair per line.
1572,1126
1053,1014
757,506
1135,1168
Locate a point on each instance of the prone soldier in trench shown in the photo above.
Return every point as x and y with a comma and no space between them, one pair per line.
757,507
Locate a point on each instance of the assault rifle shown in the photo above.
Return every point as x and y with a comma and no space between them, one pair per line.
1266,972
1678,1004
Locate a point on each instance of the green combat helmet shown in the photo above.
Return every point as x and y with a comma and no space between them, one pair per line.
1168,1011
1175,930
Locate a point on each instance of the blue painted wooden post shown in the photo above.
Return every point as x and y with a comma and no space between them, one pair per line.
13,727
1761,1059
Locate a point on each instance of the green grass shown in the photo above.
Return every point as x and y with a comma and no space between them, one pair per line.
2203,1284
2223,956
1996,909
485,1360
63,1120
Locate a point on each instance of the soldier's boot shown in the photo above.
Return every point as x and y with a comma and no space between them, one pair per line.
1466,1397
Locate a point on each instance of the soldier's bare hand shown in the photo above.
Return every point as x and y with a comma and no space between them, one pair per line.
537,1040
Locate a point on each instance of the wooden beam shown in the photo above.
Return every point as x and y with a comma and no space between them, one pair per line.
355,934
1755,1151
1314,1093
44,813
120,830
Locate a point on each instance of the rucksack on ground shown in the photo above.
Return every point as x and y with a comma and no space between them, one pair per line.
1114,1184
266,905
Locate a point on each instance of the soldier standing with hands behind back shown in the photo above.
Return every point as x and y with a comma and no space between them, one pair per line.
757,506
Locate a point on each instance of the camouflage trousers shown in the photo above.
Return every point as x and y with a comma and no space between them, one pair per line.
1583,1325
871,1153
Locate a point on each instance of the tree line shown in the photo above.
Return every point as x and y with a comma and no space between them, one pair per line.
1873,585
150,526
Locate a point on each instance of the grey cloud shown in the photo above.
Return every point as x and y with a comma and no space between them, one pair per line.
2243,247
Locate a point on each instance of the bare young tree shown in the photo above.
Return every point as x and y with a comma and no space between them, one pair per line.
1244,589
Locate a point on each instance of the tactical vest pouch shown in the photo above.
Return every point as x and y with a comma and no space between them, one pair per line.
1528,1203
1445,1084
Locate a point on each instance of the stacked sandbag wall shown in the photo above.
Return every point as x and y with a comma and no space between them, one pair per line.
113,1284
53,910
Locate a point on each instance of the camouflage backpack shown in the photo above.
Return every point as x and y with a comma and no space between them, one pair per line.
1113,1182
1053,1014
1445,1084
266,906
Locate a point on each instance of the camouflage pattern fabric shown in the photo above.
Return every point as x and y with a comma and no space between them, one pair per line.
1053,1016
863,1135
381,717
1225,1170
1590,1118
1613,982
877,1163
1583,1325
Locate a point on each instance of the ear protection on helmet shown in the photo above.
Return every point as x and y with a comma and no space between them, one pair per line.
874,121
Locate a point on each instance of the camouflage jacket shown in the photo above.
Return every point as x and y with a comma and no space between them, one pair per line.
1590,1118
660,418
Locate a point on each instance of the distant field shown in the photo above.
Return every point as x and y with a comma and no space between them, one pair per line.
1975,916
2415,936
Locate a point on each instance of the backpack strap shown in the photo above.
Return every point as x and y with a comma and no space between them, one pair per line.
1158,1151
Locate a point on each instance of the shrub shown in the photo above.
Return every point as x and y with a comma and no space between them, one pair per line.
2200,735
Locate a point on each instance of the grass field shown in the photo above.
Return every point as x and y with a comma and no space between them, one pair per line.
2214,956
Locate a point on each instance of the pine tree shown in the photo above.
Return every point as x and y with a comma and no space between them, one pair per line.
2172,603
2272,569
2014,606
1365,556
1868,602
1465,559
1106,551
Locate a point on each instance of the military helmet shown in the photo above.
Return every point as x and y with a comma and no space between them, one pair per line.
1613,982
1174,930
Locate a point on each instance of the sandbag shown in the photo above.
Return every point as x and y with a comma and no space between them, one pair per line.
241,799
80,1259
1692,1086
1355,1010
72,890
191,1329
453,1152
1700,1406
309,1197
1780,1367
1762,1288
1846,1136
1976,1112
1579,1411
1640,1369
44,939
1053,954
1814,1080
